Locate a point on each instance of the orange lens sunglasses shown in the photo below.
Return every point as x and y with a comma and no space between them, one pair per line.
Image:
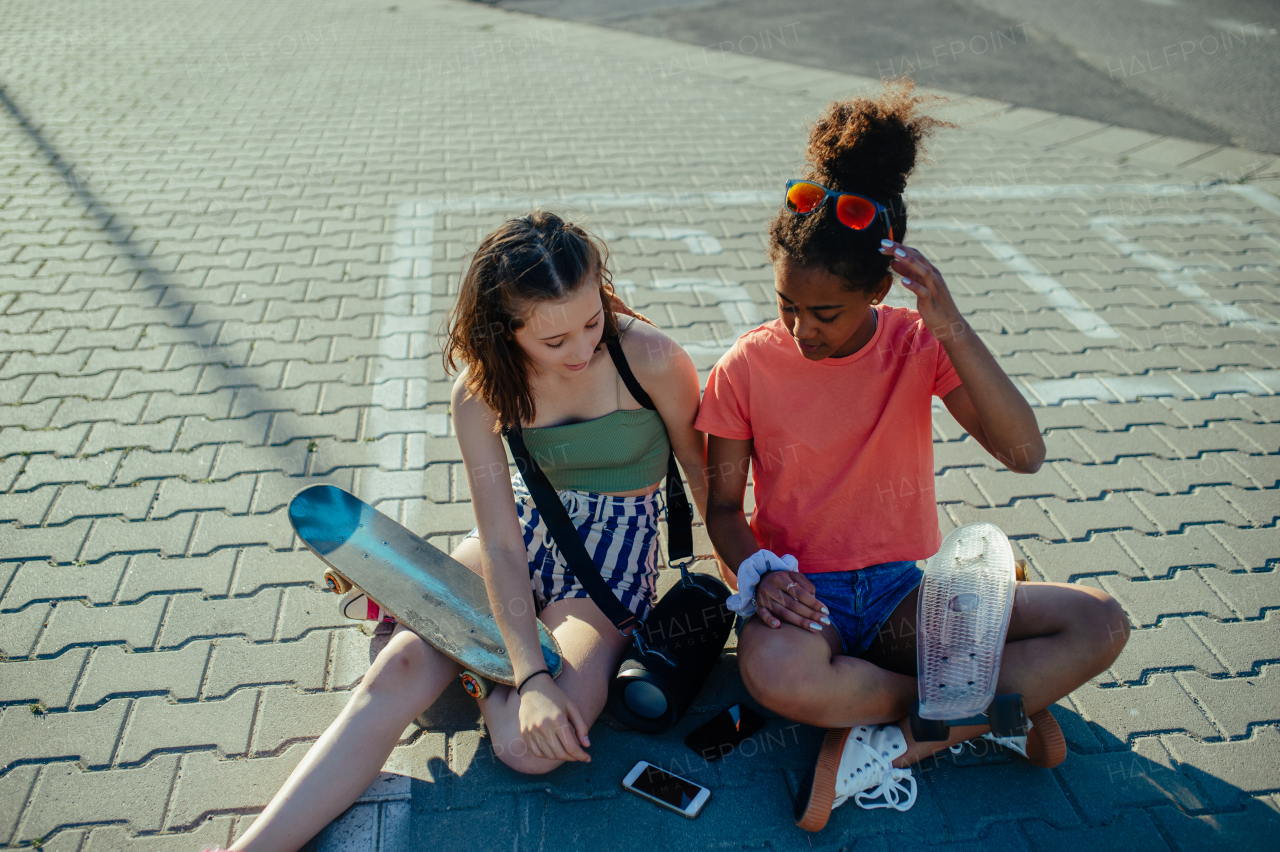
854,211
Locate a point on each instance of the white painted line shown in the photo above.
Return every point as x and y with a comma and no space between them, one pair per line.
377,822
1181,277
698,242
396,819
1017,191
356,830
735,303
411,259
408,276
388,787
656,201
1240,28
1269,379
1169,383
666,200
1071,308
1258,196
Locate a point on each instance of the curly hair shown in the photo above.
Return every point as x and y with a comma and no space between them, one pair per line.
864,145
538,257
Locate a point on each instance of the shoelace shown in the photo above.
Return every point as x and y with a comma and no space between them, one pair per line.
892,790
891,787
1018,744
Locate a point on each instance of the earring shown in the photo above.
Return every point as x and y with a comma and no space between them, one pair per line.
875,301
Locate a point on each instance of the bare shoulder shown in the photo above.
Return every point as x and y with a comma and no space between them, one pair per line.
460,393
652,354
469,411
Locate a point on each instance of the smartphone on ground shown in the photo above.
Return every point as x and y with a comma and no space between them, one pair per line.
671,791
722,734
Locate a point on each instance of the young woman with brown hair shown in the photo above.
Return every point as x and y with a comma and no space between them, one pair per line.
528,329
830,404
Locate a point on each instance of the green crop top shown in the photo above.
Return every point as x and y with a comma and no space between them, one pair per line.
622,451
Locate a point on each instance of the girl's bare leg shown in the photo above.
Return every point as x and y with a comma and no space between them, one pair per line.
403,681
1060,637
592,649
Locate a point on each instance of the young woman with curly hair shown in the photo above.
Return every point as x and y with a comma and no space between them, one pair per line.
528,329
830,405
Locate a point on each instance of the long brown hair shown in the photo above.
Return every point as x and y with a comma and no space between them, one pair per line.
537,257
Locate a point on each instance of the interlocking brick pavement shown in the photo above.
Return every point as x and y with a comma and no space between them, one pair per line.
229,236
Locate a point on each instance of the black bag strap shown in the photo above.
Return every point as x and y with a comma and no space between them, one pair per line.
566,537
679,512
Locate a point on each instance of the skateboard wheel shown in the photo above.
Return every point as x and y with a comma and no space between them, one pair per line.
475,685
1020,570
927,730
1007,715
336,582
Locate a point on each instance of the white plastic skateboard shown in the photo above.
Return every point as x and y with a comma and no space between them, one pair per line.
966,600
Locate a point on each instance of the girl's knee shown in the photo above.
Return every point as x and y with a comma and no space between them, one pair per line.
1102,624
1111,619
400,669
773,677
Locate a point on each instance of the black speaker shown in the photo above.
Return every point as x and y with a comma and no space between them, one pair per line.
673,655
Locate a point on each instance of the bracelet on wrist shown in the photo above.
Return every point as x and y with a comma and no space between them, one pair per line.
520,686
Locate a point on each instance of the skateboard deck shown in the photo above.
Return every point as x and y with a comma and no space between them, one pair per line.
425,589
965,603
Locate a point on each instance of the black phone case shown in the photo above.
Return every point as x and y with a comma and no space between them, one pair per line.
716,738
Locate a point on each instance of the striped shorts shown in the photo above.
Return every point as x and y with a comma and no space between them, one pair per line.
620,534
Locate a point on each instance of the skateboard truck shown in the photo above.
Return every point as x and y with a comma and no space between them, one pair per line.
965,604
1006,715
477,686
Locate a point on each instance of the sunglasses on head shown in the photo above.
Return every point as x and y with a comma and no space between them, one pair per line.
852,210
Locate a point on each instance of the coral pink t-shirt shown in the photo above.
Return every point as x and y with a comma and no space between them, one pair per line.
843,448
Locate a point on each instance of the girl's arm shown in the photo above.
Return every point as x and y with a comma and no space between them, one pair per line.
727,464
549,722
786,595
986,405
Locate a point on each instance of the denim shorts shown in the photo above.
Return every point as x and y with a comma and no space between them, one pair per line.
861,601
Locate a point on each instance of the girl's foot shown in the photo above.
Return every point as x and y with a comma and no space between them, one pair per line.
855,762
358,606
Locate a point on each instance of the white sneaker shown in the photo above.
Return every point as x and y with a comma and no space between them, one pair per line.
858,763
358,606
1018,744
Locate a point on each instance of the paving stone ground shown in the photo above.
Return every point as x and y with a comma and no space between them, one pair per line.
229,234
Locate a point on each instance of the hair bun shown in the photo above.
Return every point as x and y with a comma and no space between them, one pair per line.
870,145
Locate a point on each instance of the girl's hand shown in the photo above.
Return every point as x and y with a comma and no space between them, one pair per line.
788,595
550,723
933,299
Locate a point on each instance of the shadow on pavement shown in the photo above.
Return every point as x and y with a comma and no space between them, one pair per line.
1119,795
122,235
